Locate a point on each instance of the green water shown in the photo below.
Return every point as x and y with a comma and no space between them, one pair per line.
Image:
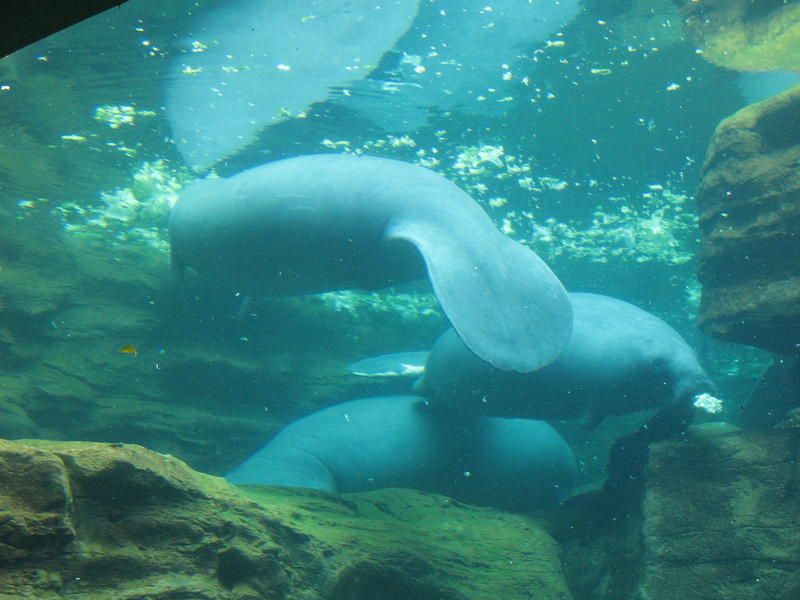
592,161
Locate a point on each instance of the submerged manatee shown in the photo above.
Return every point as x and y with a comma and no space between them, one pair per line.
334,221
620,359
249,64
512,464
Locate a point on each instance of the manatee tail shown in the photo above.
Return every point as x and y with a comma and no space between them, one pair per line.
504,302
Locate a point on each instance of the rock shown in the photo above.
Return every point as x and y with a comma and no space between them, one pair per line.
600,536
775,396
713,514
750,222
35,521
113,521
745,35
16,422
720,516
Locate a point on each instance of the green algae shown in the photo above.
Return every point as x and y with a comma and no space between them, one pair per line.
109,521
746,35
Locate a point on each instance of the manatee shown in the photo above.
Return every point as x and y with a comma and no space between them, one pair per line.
336,221
619,359
396,441
249,64
454,58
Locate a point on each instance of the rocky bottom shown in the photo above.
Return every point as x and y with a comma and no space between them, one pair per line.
711,514
113,521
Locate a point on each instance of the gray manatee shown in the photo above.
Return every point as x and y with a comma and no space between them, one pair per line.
396,441
335,221
619,359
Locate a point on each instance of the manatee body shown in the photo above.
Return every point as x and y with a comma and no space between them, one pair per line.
335,221
360,445
620,359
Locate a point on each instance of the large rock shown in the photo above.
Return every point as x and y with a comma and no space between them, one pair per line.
749,201
708,515
93,521
720,514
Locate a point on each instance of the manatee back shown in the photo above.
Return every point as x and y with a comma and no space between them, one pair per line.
395,442
362,444
619,359
454,376
286,463
301,225
516,465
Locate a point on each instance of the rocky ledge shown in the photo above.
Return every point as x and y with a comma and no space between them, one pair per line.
115,521
745,35
711,514
721,516
749,201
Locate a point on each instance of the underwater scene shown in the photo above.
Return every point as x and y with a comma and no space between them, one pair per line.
402,300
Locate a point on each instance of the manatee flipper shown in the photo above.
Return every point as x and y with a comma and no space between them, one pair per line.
591,418
396,364
504,302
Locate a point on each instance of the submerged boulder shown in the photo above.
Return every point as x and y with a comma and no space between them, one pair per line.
745,35
749,201
708,514
103,521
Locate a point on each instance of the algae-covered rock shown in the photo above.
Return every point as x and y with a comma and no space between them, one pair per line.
746,35
709,514
35,499
750,222
721,512
113,521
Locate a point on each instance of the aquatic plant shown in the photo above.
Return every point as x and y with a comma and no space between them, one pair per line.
134,214
408,306
659,229
657,225
117,116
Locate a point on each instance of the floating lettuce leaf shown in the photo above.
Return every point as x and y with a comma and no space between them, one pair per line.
251,63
